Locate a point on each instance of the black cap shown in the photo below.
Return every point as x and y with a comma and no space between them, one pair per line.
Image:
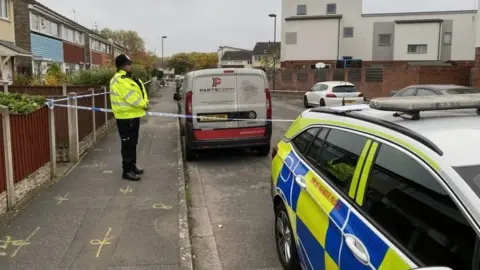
122,60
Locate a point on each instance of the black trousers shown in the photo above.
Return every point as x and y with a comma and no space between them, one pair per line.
128,130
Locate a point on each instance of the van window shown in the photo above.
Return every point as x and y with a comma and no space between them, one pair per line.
409,203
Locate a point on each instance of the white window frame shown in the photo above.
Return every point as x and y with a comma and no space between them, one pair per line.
411,50
5,9
54,32
345,32
34,22
447,38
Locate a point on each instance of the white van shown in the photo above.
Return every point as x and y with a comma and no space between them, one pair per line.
216,96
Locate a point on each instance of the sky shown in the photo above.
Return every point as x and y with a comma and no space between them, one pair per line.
203,25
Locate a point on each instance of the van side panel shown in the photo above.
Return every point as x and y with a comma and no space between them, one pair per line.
214,95
251,97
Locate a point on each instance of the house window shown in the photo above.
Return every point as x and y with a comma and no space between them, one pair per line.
34,22
447,38
348,32
249,62
417,49
4,12
331,8
301,9
291,38
384,40
54,29
81,39
45,26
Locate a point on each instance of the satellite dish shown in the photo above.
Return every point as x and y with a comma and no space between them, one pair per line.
320,65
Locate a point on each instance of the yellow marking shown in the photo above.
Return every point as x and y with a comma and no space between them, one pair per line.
284,149
19,243
297,126
358,170
100,243
313,217
366,172
322,194
330,263
162,206
293,220
60,199
277,164
392,261
126,190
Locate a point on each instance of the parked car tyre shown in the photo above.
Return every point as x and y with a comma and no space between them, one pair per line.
284,238
305,102
322,103
188,152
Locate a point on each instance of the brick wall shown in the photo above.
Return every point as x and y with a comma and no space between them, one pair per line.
96,58
22,35
394,78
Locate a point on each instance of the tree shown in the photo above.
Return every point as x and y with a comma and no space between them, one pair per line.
181,62
267,59
203,60
128,39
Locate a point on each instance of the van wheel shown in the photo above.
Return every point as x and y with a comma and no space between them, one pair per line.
322,103
182,130
284,238
305,102
189,153
263,151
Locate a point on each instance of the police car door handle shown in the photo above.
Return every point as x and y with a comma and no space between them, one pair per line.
358,248
301,181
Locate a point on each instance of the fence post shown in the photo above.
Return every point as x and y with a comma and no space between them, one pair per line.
74,151
53,143
7,145
64,89
153,85
106,105
93,116
5,86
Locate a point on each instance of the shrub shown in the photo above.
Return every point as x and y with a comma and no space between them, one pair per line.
20,103
98,76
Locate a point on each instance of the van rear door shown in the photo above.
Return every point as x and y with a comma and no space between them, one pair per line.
252,103
214,99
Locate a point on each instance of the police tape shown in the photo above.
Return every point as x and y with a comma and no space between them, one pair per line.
78,97
174,115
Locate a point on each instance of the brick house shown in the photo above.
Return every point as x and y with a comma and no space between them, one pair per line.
9,50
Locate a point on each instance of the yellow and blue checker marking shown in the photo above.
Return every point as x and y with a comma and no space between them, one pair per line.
319,231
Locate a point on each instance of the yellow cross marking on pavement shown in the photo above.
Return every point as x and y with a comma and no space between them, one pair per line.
162,206
126,190
100,243
60,199
4,244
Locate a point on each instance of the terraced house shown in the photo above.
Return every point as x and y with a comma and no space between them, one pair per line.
9,51
55,39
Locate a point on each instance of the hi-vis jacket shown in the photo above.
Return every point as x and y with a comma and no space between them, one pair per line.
129,99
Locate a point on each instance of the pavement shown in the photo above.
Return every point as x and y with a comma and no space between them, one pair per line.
92,219
231,212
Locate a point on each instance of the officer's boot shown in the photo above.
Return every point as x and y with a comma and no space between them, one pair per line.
130,176
138,171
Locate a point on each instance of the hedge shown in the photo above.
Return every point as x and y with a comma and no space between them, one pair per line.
20,103
102,76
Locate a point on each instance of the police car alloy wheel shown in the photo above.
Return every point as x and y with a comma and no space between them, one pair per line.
286,249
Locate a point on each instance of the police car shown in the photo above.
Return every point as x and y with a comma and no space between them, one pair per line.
390,185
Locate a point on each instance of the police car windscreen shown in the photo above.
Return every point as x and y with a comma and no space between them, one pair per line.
460,91
344,89
471,175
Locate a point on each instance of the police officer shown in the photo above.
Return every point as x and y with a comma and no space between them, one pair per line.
129,103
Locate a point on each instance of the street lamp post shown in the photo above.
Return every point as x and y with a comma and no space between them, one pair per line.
163,67
274,16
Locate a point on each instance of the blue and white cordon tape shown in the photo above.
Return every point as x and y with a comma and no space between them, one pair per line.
52,103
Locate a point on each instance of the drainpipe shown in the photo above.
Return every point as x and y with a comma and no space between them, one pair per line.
440,43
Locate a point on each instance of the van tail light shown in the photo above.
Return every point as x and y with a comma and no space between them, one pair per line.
274,151
188,106
330,95
268,96
228,71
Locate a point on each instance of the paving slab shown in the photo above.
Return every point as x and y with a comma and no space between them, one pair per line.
92,219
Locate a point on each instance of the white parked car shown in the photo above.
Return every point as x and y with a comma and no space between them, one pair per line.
332,94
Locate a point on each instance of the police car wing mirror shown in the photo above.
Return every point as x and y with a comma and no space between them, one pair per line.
301,181
433,268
